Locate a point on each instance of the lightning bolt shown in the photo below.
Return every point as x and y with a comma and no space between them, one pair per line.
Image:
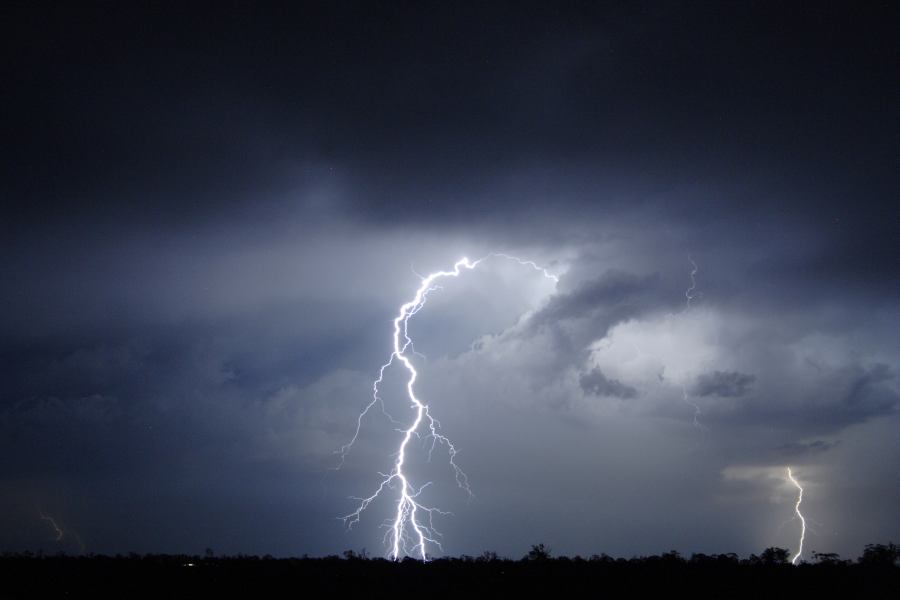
52,522
799,514
689,293
412,530
695,406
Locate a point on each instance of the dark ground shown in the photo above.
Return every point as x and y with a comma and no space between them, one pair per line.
875,575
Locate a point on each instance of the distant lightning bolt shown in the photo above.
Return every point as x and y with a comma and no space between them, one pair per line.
56,528
799,514
695,406
689,293
411,530
686,398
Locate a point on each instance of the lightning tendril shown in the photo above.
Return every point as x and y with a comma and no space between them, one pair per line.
697,412
689,293
689,296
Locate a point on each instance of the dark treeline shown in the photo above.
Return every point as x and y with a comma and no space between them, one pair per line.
875,574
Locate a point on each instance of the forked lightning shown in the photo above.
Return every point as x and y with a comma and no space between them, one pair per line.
411,530
799,514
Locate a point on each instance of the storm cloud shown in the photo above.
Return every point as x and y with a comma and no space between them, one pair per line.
597,383
725,384
212,214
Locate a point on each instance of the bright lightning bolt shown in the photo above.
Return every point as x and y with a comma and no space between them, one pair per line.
799,514
411,529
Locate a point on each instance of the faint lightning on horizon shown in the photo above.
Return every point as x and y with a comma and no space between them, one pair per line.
412,529
799,514
56,528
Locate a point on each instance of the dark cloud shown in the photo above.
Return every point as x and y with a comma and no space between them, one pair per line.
865,381
587,312
813,447
725,384
614,291
211,213
816,400
598,384
866,392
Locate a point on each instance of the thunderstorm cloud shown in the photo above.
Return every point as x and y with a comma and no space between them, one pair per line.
597,383
210,221
725,384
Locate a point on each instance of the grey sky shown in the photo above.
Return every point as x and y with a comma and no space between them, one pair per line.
208,230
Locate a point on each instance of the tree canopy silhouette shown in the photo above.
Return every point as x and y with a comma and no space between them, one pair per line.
28,575
538,552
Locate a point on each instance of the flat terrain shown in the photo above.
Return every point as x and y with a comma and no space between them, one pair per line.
179,576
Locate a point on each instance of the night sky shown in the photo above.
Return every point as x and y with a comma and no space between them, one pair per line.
212,213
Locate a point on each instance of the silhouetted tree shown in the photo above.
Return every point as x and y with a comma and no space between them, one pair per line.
361,555
885,555
774,556
602,558
671,557
538,552
827,558
728,557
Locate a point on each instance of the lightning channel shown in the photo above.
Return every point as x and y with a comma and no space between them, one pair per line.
689,293
685,396
411,530
697,412
689,296
56,528
790,475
